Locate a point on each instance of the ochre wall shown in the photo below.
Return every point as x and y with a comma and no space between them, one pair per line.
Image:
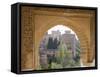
42,19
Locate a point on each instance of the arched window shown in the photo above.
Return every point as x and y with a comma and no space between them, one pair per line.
59,48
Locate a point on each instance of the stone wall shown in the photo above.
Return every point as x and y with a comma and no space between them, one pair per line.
39,20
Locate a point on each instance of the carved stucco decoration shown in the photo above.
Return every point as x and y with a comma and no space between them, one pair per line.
36,21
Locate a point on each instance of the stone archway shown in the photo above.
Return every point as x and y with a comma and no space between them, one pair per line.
75,26
36,21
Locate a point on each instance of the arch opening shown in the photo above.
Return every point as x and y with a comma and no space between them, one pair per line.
59,48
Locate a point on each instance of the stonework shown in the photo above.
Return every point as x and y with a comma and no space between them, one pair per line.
66,40
36,22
